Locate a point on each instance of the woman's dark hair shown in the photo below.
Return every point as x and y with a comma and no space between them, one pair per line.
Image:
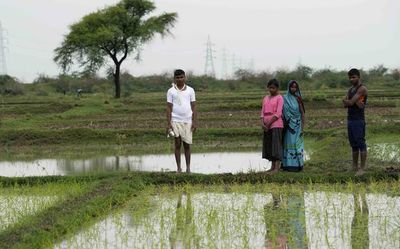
274,82
354,71
293,82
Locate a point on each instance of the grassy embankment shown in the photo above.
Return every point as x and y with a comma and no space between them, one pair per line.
57,125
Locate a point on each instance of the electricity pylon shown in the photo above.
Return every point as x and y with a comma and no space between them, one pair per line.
3,65
209,68
224,69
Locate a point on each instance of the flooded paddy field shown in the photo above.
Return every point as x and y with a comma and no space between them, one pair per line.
251,217
97,172
206,163
21,203
181,215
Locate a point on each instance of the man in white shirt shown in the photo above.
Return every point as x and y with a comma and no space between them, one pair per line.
181,116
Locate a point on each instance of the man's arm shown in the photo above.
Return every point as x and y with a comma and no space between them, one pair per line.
361,103
362,91
194,115
169,115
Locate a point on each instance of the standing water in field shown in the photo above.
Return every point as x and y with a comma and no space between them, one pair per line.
15,207
207,163
313,219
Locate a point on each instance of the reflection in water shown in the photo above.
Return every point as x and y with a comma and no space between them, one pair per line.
201,163
34,168
384,221
204,220
284,219
328,219
216,220
183,234
13,208
359,231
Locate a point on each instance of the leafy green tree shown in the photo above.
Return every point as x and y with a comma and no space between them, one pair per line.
378,71
303,72
330,78
112,33
244,74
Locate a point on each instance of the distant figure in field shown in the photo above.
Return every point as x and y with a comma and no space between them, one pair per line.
181,116
355,102
294,117
79,92
272,124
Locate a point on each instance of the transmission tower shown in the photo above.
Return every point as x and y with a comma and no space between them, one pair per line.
224,69
251,65
240,63
3,65
209,66
234,66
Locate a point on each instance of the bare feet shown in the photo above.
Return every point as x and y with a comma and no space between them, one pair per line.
187,169
179,170
271,169
273,172
360,172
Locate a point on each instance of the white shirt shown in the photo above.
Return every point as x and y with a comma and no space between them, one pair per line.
181,104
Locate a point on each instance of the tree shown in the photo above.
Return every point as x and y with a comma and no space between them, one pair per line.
396,74
378,71
303,72
243,74
112,33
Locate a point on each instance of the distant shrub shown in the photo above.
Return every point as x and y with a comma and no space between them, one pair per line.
42,92
43,78
330,78
10,86
319,96
13,91
396,74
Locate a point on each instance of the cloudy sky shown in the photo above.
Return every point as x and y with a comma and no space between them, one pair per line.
255,34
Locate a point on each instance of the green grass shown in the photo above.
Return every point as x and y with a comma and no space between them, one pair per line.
98,124
57,126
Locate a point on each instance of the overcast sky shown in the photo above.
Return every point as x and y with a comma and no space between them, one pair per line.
258,34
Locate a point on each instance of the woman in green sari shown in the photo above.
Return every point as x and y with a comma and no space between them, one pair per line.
293,143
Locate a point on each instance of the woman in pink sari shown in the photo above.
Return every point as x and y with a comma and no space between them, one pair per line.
272,124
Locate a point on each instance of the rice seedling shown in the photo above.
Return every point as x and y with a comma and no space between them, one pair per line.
322,207
18,203
250,216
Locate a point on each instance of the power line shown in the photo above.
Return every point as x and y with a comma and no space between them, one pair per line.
35,49
3,64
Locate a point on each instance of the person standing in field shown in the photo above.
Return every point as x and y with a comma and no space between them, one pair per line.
181,116
294,118
355,102
272,124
